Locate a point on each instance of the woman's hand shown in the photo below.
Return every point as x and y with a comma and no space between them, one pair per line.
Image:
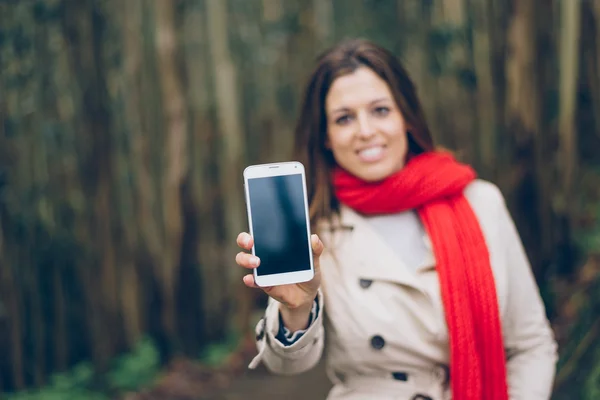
296,299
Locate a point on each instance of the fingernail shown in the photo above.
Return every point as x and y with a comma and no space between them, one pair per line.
254,261
246,241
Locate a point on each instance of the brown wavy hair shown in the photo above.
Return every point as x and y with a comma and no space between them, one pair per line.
311,130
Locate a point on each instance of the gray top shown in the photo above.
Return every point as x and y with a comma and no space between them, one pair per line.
405,234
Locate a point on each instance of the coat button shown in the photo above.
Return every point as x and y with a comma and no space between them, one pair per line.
377,342
420,397
400,376
365,283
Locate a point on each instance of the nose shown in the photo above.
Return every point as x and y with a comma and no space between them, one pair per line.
366,128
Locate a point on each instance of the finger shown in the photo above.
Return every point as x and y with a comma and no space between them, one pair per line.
249,281
317,245
244,240
247,260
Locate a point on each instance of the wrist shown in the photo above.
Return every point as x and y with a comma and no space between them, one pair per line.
299,309
296,318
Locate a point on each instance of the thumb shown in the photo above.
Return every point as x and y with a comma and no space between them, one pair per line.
317,246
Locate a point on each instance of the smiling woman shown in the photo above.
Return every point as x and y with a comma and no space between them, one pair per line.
366,130
425,291
357,88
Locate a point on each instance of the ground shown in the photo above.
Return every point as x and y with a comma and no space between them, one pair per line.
260,384
185,379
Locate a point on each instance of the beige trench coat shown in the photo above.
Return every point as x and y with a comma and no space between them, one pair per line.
383,325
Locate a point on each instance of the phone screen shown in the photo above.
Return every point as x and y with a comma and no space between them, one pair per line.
279,224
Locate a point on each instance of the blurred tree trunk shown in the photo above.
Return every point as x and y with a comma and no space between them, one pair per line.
569,57
269,80
232,143
482,43
594,69
200,257
324,21
175,160
85,25
131,277
416,23
456,81
527,175
13,363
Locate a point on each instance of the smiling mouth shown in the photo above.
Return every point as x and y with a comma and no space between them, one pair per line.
371,154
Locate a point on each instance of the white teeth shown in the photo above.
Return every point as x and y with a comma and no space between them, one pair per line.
371,152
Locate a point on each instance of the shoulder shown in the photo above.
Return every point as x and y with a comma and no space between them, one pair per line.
484,193
488,204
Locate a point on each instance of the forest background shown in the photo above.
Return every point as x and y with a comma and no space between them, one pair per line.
124,128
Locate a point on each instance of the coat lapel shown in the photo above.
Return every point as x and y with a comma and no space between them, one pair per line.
372,258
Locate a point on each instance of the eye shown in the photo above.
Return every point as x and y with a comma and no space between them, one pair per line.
342,120
382,111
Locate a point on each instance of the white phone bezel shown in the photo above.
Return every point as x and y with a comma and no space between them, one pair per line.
271,170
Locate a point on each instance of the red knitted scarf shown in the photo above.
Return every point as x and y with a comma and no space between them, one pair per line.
433,184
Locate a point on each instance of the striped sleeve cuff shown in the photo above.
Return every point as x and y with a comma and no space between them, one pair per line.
287,337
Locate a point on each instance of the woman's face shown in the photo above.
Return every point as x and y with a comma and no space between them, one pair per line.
365,129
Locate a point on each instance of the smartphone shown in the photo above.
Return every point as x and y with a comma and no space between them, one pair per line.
279,222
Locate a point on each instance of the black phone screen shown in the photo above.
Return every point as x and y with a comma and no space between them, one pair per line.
279,224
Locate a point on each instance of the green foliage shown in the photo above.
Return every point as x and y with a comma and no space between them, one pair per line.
589,239
130,371
579,364
587,233
135,369
592,383
71,385
216,353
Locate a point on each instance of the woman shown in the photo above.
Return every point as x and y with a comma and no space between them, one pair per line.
422,287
